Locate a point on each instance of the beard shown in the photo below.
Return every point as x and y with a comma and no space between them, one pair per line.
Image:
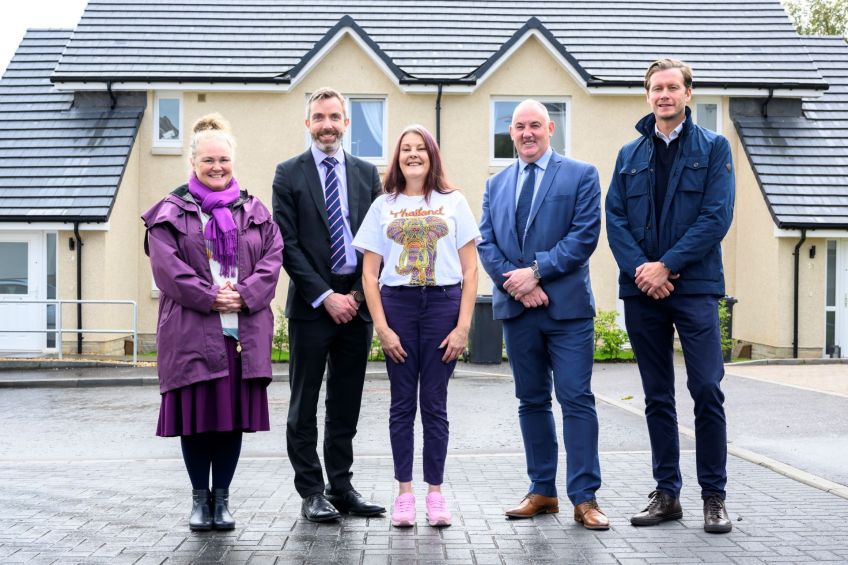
328,148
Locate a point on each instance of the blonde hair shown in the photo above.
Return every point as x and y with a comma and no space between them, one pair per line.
665,64
211,126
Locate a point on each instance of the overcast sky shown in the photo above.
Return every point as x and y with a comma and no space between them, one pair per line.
20,15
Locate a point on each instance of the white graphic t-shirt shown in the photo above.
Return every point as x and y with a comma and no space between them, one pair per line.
419,242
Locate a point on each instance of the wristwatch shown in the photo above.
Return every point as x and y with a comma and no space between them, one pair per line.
536,273
358,296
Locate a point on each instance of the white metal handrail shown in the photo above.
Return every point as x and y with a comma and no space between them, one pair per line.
60,330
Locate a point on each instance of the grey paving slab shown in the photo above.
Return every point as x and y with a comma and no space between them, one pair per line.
135,511
86,482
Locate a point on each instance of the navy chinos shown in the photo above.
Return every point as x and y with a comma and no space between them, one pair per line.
650,324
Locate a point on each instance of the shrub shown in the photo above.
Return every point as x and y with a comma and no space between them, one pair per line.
376,353
280,339
724,328
609,337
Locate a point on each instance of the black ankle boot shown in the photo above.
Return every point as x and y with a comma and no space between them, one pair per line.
222,519
201,512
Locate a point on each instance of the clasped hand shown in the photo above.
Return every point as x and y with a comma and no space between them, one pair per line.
523,286
341,307
228,300
654,279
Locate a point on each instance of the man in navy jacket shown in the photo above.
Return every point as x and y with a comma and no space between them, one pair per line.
669,205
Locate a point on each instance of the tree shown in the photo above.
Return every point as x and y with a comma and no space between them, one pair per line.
818,17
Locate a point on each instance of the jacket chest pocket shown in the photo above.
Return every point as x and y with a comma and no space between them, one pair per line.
636,179
694,173
690,189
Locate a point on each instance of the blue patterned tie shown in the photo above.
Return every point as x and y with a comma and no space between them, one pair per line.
334,215
525,202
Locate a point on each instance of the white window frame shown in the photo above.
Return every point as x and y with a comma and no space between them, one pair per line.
838,292
501,162
719,110
167,146
58,335
349,98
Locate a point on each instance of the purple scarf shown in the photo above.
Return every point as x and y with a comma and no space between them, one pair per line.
221,232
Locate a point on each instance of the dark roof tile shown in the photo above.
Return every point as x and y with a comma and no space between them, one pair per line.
57,163
801,163
730,42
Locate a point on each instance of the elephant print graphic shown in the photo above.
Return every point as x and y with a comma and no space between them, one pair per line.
419,237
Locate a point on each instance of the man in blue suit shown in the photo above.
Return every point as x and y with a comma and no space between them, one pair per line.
541,222
668,207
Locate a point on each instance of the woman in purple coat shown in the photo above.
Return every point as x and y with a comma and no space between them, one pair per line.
216,254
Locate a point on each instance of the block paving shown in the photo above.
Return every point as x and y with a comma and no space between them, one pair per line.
135,512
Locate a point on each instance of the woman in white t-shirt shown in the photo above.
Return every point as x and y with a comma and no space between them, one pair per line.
424,233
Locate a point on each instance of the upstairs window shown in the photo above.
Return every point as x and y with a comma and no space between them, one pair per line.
366,134
167,121
708,115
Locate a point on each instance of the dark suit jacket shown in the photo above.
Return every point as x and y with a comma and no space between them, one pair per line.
562,232
301,213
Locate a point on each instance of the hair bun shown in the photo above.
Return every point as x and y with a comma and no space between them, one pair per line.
211,122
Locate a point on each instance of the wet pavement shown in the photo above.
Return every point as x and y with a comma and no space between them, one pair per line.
85,481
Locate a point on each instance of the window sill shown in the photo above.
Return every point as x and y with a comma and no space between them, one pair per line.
166,150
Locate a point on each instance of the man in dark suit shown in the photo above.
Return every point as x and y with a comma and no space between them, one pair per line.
320,199
541,222
668,207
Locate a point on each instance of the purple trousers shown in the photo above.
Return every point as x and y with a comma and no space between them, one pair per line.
421,317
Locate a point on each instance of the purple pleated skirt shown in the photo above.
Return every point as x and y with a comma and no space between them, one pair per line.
221,405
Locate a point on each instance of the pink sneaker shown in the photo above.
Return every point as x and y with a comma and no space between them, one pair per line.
403,514
438,514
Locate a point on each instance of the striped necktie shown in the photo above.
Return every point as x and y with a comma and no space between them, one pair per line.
334,215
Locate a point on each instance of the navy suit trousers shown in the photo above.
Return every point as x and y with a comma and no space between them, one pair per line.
545,355
651,325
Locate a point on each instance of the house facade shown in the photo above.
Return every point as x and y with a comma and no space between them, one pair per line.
136,76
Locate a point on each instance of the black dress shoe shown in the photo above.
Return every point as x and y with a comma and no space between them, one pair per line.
716,520
351,502
662,507
316,508
221,517
201,513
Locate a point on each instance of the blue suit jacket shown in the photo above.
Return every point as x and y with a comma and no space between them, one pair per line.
562,232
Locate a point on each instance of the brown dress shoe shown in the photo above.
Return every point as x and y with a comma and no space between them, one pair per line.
534,504
592,517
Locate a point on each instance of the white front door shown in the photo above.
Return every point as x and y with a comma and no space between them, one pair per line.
21,278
